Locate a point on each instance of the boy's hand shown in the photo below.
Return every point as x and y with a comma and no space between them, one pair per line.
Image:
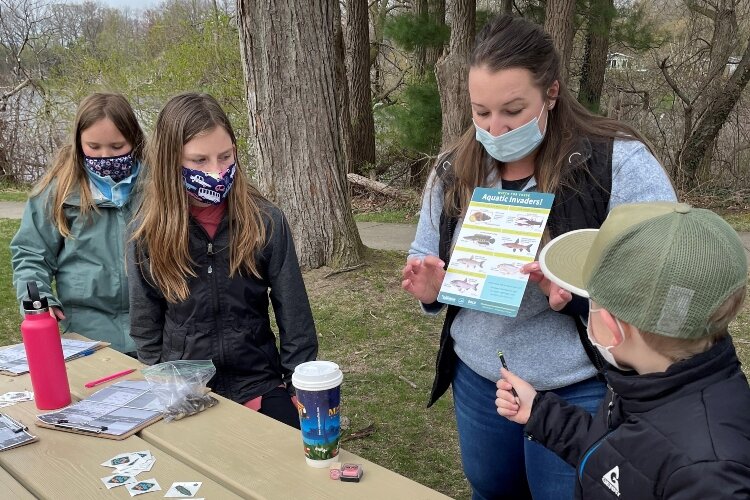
515,409
558,297
423,277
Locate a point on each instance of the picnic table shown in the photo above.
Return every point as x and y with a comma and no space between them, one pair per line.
235,452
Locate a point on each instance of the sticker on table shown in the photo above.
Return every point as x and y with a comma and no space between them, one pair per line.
141,465
118,480
121,460
142,487
183,489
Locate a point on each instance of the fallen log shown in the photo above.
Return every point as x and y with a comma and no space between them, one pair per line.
379,187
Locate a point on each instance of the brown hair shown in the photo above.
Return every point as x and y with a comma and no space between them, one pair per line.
676,349
513,42
67,170
163,219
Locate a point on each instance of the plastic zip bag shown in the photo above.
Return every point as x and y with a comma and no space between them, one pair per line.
181,386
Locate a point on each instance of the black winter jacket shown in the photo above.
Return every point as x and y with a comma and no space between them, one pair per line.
226,319
680,434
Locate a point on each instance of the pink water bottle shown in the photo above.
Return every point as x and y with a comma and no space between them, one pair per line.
41,338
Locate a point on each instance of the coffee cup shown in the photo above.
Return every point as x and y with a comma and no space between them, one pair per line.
318,386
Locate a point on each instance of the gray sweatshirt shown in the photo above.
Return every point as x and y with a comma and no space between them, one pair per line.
540,345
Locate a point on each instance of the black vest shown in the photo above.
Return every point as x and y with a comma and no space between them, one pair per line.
580,203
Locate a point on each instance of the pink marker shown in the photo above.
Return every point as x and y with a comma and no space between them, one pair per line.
94,383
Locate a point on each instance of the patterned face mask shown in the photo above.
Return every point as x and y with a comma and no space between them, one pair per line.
208,188
115,167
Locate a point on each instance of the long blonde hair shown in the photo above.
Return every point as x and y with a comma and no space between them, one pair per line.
67,170
162,220
513,42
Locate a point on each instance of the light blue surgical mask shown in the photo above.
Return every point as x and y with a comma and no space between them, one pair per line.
515,144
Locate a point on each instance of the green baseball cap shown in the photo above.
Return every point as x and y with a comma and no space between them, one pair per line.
662,267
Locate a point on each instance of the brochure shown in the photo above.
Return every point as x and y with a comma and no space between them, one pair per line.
500,233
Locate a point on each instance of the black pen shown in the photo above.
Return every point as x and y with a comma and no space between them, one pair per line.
502,361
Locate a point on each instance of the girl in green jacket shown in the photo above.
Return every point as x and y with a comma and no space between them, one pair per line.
74,225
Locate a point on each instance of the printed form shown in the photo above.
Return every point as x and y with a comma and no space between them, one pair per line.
500,233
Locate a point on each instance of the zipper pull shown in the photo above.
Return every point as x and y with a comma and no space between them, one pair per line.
210,269
210,249
610,406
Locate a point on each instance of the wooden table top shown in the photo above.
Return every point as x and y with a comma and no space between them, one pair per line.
233,450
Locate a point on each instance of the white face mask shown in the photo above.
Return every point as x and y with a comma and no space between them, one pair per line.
605,351
515,144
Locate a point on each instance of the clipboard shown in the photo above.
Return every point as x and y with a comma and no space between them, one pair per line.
115,412
96,432
13,433
13,358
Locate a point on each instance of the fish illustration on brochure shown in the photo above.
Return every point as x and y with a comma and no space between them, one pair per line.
499,234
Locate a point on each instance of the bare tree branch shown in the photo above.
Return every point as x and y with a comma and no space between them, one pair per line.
671,82
700,9
15,90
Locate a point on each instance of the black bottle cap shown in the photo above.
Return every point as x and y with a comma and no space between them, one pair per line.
34,302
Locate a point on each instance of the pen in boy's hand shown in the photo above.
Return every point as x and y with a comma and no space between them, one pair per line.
502,361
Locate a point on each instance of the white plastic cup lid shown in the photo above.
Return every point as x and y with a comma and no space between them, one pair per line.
317,376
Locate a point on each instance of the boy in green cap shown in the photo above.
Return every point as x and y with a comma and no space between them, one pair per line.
663,280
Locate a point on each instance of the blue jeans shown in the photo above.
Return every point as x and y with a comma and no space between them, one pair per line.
498,460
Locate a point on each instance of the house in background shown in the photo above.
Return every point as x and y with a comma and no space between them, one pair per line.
617,60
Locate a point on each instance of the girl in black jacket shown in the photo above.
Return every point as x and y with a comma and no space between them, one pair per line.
207,253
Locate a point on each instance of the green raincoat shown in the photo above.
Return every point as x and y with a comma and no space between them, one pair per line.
88,269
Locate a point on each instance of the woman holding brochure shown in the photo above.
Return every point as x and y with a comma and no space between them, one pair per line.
529,135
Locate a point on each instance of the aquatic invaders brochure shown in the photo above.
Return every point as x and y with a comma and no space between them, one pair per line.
500,233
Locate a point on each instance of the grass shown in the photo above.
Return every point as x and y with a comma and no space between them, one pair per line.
740,221
10,318
13,194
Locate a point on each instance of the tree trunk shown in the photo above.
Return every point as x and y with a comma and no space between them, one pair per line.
289,61
558,22
707,128
452,70
595,54
342,97
437,15
723,43
506,7
378,13
420,52
360,98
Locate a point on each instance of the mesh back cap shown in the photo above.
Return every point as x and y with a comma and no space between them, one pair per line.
663,267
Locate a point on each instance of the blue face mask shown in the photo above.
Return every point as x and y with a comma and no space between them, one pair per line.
116,192
515,144
208,188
